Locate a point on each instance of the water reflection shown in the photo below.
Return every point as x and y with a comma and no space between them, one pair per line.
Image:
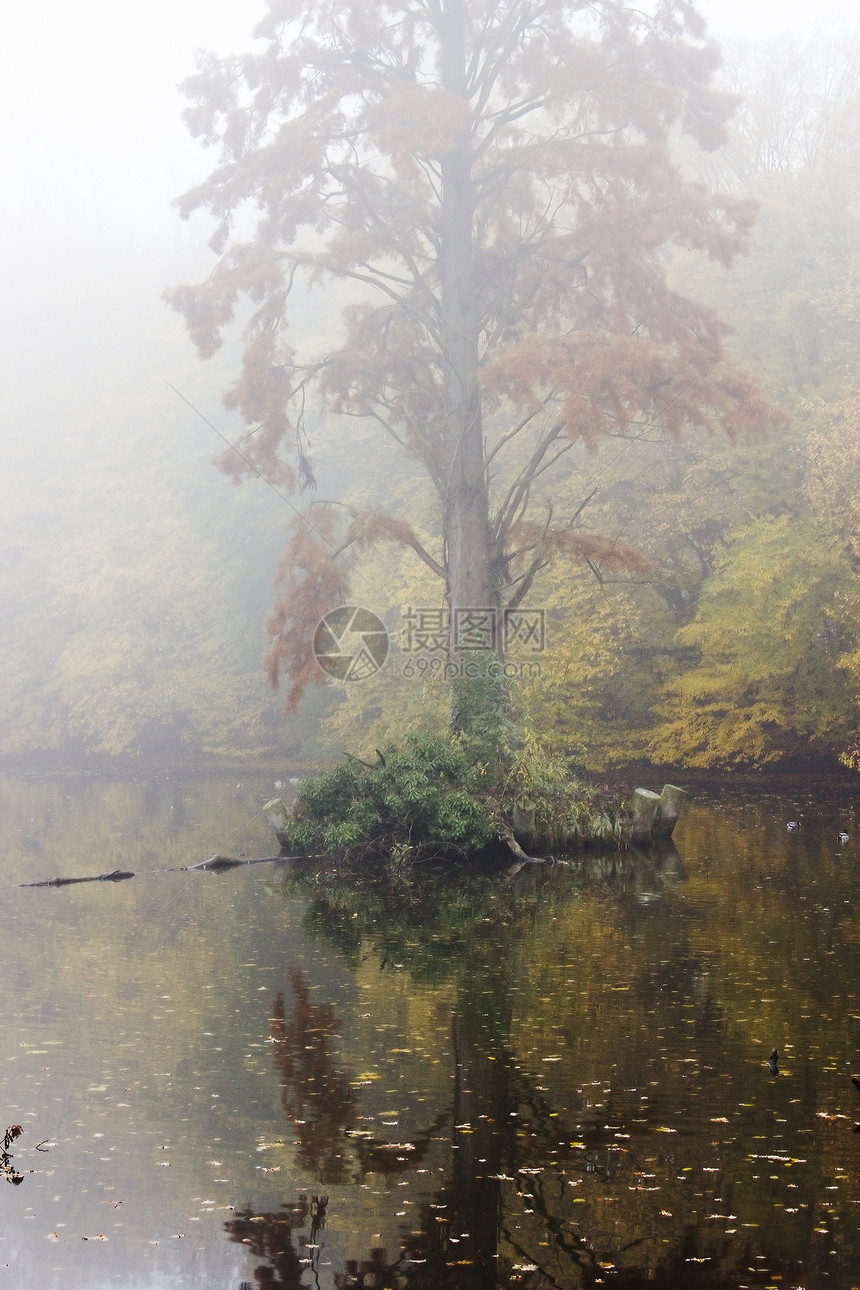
315,1095
7,1169
279,1239
647,1172
566,1082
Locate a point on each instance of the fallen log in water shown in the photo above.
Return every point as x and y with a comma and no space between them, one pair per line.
217,864
116,875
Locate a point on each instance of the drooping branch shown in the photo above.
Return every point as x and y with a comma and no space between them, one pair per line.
371,527
545,543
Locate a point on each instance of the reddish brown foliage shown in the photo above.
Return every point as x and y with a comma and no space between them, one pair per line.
497,183
584,548
311,581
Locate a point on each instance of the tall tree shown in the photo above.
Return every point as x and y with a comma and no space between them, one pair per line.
495,182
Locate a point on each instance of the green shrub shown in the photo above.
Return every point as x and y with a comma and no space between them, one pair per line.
420,800
551,793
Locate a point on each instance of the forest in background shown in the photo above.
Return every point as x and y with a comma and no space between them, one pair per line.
137,581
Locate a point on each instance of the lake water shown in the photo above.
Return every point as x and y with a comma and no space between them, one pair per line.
223,1079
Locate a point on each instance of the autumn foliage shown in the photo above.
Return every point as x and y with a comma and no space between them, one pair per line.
490,194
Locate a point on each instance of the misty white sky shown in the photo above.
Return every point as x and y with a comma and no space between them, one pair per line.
762,19
92,134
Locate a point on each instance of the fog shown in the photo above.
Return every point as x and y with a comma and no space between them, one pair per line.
132,569
93,137
760,20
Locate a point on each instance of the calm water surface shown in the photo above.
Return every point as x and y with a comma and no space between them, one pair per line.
227,1080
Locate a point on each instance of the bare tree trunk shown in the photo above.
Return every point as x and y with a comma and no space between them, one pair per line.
479,692
470,584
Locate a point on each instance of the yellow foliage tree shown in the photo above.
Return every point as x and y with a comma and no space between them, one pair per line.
770,633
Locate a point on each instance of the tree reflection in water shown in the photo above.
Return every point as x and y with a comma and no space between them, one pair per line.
507,1209
316,1097
270,1236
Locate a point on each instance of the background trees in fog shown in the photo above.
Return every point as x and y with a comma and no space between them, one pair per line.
496,188
740,644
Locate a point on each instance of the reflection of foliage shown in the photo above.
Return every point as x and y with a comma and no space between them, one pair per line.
541,1245
420,921
316,1097
270,1236
372,1271
607,1058
319,1100
375,1157
6,1167
424,921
